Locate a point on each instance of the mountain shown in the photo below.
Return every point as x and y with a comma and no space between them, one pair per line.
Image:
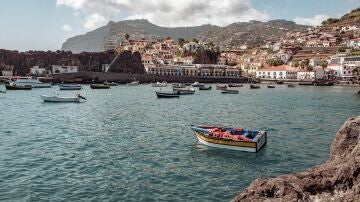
352,18
251,33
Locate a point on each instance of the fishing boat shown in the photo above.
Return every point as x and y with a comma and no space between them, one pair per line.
77,98
231,85
178,85
254,86
13,86
158,84
221,87
230,91
34,83
99,86
271,86
70,87
133,83
279,82
205,88
111,83
230,138
291,86
197,84
184,91
167,95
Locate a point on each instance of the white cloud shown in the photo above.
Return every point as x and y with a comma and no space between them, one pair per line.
94,20
67,28
314,21
166,12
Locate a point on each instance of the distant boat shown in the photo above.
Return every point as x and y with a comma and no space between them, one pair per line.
197,84
205,87
306,84
280,82
133,83
111,83
271,86
323,83
221,87
13,86
254,86
291,86
70,87
235,85
77,98
158,84
167,95
230,91
34,83
184,91
99,86
178,85
230,138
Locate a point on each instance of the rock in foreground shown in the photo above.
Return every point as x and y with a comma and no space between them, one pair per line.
336,180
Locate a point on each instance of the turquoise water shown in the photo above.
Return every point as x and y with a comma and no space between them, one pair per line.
124,144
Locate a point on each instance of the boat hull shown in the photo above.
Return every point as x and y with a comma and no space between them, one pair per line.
99,86
167,95
230,92
232,145
70,87
59,99
14,87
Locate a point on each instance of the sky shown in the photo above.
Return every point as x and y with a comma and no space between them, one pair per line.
46,24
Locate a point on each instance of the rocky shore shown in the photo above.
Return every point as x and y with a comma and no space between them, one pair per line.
338,179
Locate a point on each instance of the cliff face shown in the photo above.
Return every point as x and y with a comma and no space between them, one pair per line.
127,62
336,180
23,61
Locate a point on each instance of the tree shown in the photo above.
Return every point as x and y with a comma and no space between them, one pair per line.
195,40
181,41
323,64
275,62
296,63
305,63
127,36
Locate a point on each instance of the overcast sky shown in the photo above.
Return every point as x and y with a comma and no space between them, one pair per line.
46,24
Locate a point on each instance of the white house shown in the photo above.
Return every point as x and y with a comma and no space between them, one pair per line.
344,66
59,69
105,67
8,70
354,43
36,70
277,72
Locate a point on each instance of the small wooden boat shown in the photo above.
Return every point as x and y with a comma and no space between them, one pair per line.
254,86
221,87
279,82
234,85
77,98
111,83
70,87
99,86
197,84
184,91
205,88
291,86
133,83
230,91
13,86
271,86
167,95
230,138
158,84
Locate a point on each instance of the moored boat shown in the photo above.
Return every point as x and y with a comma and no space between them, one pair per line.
306,84
279,82
235,85
230,138
111,83
99,86
13,86
221,87
184,91
70,87
254,86
167,95
291,86
271,86
77,98
158,84
133,83
178,85
34,83
205,87
230,91
197,84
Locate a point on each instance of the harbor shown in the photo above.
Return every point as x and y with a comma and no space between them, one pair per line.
100,145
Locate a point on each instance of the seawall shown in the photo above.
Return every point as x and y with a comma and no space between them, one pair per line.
338,179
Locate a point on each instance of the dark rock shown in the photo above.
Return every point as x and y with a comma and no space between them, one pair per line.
206,56
335,180
127,62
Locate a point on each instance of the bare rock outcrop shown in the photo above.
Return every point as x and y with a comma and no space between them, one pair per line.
338,179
